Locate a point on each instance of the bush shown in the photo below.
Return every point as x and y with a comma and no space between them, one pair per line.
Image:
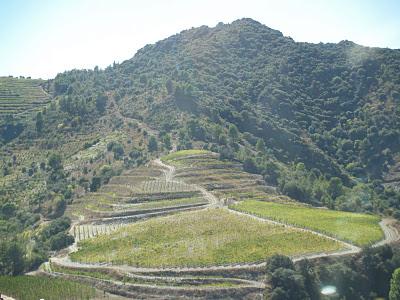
60,240
249,165
394,293
56,226
396,214
153,145
54,162
279,261
293,190
96,183
11,258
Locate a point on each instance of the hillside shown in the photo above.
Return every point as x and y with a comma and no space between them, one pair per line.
20,96
272,128
332,107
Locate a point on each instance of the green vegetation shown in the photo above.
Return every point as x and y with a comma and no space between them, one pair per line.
317,123
24,252
364,276
21,96
394,293
289,282
183,153
206,237
360,229
30,287
168,203
187,281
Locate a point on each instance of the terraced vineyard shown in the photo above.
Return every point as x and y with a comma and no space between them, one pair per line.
170,228
30,287
140,193
20,96
360,229
200,238
226,180
86,231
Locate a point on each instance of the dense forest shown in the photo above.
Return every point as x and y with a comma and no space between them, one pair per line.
320,123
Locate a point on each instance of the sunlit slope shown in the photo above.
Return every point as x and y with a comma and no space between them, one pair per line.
360,229
199,238
138,193
32,287
247,192
223,178
20,96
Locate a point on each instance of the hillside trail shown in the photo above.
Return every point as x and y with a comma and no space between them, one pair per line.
116,109
170,173
2,296
390,232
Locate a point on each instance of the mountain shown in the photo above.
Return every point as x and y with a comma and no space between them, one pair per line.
334,107
323,104
320,122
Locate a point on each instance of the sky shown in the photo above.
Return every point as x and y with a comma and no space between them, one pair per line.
40,38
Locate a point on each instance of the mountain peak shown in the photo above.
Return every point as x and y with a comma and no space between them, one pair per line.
245,21
255,25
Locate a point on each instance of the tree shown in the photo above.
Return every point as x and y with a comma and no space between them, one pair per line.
170,86
233,132
96,183
60,240
54,161
101,102
291,282
39,122
349,281
195,129
59,207
56,226
335,187
249,165
118,151
260,146
305,268
8,209
279,293
153,145
167,141
394,293
279,261
294,190
222,139
11,258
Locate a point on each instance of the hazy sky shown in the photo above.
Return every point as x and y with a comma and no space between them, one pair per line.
41,38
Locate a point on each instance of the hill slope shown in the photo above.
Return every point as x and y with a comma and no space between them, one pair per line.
319,122
323,104
333,107
19,96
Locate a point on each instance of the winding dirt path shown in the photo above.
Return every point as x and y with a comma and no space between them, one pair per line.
6,297
170,173
390,231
